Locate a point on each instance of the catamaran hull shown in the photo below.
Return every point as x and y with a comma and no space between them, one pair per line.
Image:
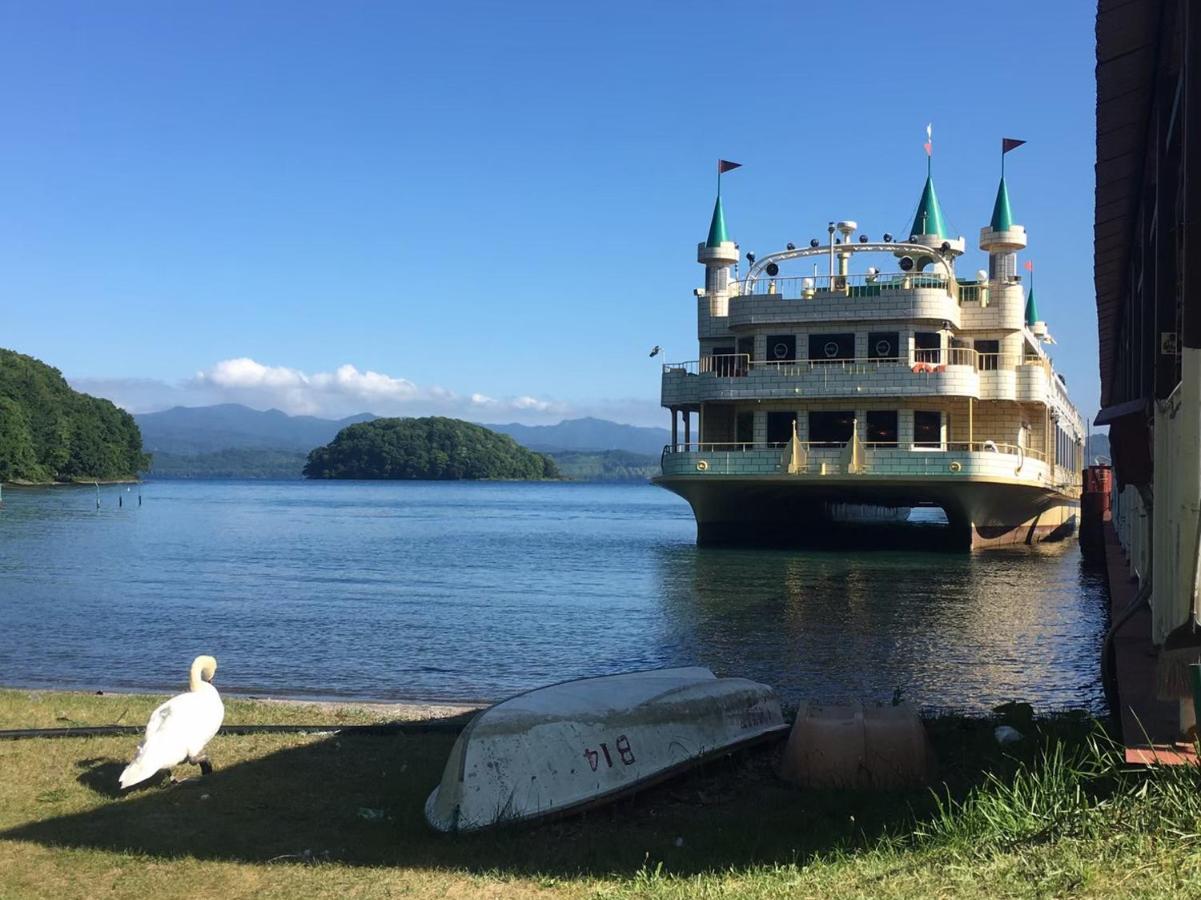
783,511
575,745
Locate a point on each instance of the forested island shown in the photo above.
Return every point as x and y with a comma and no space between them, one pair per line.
50,433
432,448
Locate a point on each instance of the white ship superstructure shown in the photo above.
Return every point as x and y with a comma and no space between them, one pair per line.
886,381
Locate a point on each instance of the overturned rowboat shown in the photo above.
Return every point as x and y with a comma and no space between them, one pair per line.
581,743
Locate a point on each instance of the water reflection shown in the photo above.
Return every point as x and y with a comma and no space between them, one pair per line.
945,631
461,591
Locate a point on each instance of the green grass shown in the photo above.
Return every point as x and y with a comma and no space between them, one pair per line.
321,815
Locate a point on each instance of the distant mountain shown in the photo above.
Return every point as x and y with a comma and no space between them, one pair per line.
606,465
588,434
231,426
257,463
1098,445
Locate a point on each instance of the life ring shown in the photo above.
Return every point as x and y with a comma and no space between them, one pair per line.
702,466
956,466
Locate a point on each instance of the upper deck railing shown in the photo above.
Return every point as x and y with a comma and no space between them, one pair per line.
807,446
859,285
737,365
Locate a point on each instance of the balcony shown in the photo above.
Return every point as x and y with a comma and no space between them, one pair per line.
906,296
980,459
942,373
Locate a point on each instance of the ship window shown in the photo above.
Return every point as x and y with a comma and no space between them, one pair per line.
745,428
779,427
781,347
926,345
989,354
830,429
882,427
883,345
827,347
927,428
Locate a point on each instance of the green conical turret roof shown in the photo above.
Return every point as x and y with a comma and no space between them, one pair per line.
1031,308
717,228
1002,216
929,214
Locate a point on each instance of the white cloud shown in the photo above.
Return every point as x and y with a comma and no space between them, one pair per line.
348,390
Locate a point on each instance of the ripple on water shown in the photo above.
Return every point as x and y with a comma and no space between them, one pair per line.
467,591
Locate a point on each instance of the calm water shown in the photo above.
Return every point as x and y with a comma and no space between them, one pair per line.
477,591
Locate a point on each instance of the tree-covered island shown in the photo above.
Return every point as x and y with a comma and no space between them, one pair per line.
50,433
433,448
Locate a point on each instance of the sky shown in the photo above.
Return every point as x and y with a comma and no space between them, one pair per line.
491,210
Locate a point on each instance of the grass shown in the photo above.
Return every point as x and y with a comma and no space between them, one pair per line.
321,815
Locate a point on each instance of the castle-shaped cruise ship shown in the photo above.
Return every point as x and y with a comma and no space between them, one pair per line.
823,402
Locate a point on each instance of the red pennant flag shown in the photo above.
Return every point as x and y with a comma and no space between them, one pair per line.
724,165
1029,265
1008,144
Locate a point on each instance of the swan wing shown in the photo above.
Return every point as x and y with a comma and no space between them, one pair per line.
206,713
176,730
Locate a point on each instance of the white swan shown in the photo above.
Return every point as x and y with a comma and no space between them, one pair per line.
179,729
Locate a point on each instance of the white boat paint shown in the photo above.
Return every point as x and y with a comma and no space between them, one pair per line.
581,742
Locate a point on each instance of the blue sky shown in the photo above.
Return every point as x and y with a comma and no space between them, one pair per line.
492,209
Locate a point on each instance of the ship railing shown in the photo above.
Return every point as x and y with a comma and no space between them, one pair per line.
722,365
1052,376
737,365
807,446
858,285
973,291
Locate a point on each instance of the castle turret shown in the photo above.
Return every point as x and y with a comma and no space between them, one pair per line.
717,253
1036,325
929,226
1001,239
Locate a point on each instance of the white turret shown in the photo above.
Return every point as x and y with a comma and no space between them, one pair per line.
717,254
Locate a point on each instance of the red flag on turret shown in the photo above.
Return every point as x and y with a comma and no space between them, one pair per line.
724,165
1008,144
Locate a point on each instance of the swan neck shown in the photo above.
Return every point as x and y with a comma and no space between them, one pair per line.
203,669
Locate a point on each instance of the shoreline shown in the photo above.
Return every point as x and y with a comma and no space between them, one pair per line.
89,482
407,707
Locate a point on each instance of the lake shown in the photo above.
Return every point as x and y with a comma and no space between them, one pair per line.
465,591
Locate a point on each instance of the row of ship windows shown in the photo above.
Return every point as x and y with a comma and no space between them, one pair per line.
841,345
833,428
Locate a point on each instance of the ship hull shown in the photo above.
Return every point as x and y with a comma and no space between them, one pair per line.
780,511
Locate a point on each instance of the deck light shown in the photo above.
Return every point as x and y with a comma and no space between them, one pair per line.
863,238
813,242
750,257
772,269
791,245
887,238
946,245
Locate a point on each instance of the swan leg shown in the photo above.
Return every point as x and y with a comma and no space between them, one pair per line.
206,767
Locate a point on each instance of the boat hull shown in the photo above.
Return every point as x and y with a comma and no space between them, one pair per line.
786,511
581,743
